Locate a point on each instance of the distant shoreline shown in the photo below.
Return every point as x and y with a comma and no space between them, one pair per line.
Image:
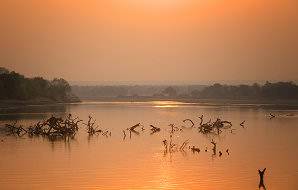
283,104
6,105
22,103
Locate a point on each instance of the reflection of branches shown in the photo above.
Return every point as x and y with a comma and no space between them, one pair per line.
214,147
124,134
242,123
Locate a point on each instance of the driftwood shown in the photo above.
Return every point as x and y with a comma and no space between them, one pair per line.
91,128
13,129
174,128
53,128
133,129
194,149
37,129
61,129
191,122
154,129
213,127
184,144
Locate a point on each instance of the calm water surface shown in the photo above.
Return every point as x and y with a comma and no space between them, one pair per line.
140,162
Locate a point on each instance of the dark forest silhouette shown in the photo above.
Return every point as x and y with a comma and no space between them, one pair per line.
274,91
14,86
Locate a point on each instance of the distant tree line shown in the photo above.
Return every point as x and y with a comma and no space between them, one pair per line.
156,91
268,91
17,87
278,90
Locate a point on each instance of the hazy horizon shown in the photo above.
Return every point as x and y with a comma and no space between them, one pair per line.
151,41
174,83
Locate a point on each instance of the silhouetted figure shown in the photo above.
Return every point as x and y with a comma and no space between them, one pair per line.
242,123
227,151
220,153
261,174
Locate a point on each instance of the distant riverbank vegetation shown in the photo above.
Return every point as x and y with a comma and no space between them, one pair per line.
287,91
16,87
269,91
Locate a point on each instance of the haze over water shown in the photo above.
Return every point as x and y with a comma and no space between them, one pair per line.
140,162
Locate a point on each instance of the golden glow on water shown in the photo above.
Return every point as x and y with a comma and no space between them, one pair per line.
169,104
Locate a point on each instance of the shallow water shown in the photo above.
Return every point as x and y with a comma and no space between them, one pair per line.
140,162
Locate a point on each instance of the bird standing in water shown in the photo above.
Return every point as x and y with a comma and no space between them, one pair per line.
261,174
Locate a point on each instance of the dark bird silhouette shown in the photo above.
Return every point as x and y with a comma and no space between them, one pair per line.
261,174
271,116
227,151
220,153
242,123
194,149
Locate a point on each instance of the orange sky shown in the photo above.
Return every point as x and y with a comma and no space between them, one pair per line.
151,40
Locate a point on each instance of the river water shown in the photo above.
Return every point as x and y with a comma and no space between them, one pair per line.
141,162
